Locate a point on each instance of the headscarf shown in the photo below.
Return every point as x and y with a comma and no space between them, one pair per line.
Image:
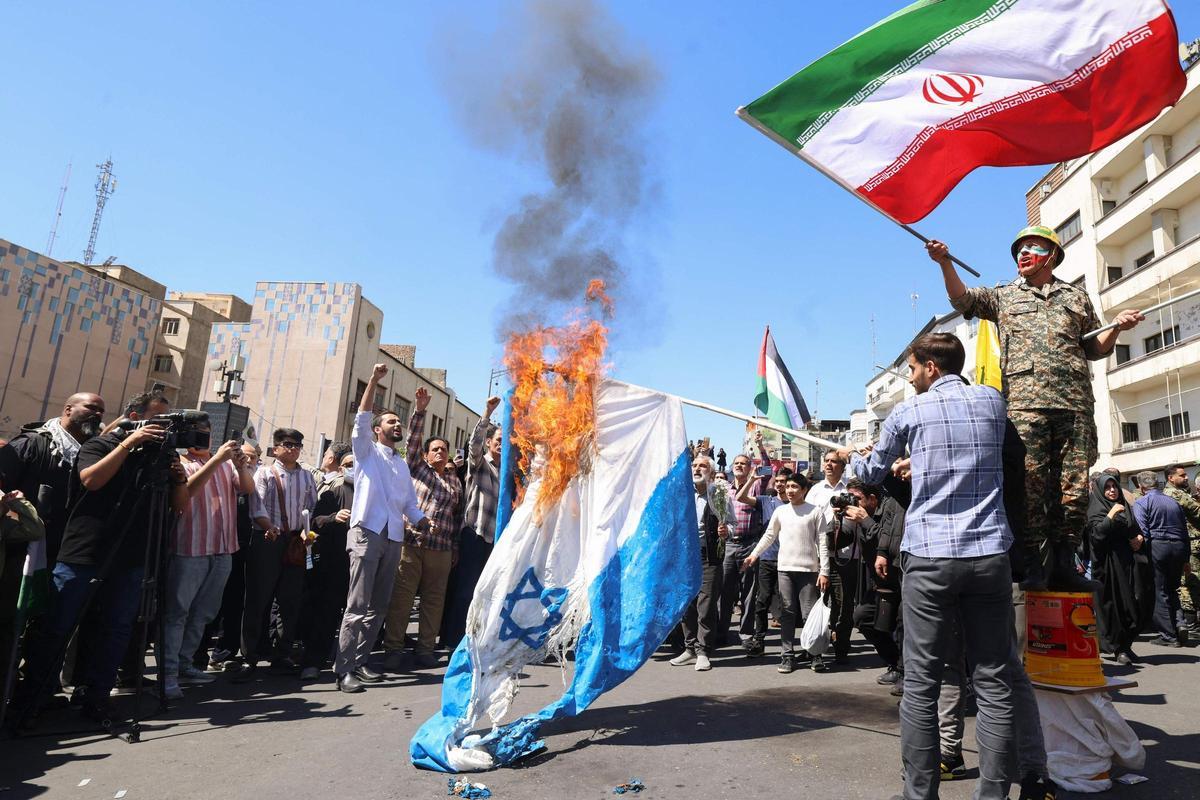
67,445
1099,505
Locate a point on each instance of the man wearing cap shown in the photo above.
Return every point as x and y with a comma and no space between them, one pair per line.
1042,321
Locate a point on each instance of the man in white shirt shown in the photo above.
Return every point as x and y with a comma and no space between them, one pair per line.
847,561
383,498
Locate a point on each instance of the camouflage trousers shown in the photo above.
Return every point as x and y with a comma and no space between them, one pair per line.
1189,592
1060,447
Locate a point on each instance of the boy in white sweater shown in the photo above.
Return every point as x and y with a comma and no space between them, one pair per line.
803,563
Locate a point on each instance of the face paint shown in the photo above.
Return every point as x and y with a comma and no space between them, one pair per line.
1035,250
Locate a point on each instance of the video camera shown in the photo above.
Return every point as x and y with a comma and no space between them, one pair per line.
183,429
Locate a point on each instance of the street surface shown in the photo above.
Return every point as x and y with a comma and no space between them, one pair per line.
740,731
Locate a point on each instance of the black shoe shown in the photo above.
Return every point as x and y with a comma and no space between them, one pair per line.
248,672
819,664
1037,568
285,666
952,767
367,675
103,712
786,664
426,661
350,684
1124,659
1064,577
1035,787
754,647
803,658
841,658
890,678
897,690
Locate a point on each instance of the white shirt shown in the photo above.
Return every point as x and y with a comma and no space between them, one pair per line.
803,546
819,496
383,487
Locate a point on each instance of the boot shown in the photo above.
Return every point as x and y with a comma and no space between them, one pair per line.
1064,577
1189,621
1037,568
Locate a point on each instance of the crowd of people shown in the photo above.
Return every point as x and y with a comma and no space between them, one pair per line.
266,560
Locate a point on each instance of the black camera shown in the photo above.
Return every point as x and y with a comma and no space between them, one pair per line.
184,429
843,501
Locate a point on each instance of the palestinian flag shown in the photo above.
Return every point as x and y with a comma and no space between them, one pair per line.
34,596
777,397
901,112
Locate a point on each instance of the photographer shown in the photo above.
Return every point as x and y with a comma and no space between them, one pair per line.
105,540
876,523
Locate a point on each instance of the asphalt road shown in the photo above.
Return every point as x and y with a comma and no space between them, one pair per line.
740,731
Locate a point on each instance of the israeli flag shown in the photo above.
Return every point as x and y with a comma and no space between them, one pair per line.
607,573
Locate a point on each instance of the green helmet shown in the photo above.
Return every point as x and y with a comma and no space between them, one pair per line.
1041,232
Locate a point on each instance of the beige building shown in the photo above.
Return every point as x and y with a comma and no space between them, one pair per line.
179,366
66,328
309,349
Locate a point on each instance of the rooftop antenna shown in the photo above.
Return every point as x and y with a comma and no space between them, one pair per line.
914,297
62,193
106,184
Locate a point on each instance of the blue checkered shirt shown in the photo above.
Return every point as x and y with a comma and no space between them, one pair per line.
955,433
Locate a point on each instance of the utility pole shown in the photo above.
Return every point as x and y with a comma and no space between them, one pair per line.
62,193
106,184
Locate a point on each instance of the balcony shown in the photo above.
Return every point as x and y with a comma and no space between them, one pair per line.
1181,359
1146,286
1173,188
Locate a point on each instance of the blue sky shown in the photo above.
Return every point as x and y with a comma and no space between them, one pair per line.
284,142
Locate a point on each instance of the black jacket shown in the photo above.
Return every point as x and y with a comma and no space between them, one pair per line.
32,463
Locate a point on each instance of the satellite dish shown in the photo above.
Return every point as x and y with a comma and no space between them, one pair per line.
215,365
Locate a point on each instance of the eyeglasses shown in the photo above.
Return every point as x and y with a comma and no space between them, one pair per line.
290,445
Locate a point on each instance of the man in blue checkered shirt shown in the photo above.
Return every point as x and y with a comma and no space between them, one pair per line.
954,556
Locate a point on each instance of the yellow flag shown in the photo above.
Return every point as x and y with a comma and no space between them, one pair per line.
987,355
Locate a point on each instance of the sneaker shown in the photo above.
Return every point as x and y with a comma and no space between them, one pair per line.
754,647
219,656
897,690
1163,641
1035,787
803,658
890,677
819,664
172,691
191,676
702,663
310,674
952,767
683,659
786,664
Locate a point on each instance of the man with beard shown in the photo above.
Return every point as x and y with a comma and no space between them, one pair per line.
700,618
1042,321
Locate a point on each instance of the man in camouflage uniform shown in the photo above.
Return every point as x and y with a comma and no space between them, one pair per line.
1043,356
1189,593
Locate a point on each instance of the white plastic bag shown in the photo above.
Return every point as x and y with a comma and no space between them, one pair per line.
815,636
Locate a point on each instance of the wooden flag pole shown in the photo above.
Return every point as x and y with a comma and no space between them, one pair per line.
796,151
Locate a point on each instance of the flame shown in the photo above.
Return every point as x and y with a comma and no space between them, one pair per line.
554,372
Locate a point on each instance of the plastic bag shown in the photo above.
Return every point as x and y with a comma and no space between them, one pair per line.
815,636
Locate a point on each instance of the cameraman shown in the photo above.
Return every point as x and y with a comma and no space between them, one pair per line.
105,540
876,523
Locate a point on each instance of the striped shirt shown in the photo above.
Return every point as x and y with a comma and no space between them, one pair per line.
299,494
209,526
483,485
956,434
439,495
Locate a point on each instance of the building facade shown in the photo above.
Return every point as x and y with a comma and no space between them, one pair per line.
67,328
179,366
309,350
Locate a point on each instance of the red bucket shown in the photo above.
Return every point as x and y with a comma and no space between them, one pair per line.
1062,647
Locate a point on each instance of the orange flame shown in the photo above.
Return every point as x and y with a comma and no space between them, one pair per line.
554,372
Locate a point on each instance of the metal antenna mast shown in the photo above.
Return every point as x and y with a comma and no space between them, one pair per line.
914,297
106,184
62,193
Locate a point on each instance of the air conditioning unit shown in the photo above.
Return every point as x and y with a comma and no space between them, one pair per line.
1046,189
1106,188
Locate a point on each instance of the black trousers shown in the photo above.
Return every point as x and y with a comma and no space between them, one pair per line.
269,579
867,618
767,591
233,603
473,554
844,579
736,586
324,602
700,617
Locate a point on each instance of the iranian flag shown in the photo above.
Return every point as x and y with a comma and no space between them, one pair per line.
901,112
777,397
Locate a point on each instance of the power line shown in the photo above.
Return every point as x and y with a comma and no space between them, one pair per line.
62,193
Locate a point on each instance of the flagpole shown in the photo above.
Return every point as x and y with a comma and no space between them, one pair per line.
1150,310
762,423
796,151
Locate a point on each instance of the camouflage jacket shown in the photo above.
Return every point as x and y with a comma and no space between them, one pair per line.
1043,356
1191,509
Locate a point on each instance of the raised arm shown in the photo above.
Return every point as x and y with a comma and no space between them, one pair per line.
479,435
413,452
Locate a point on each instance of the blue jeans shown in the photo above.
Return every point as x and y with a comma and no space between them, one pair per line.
116,603
195,586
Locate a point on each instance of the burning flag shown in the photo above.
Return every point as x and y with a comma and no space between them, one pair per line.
903,111
600,559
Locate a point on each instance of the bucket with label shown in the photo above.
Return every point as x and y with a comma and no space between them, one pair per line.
1062,648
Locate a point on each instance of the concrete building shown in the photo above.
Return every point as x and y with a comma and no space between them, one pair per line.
1129,220
309,350
797,453
66,328
180,363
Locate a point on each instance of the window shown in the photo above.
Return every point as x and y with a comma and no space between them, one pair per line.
1160,340
1143,260
377,403
163,363
170,326
1122,353
1170,336
1107,207
362,389
1166,427
1115,273
403,409
1129,432
1069,229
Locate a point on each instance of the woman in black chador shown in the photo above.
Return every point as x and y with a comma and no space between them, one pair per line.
1114,537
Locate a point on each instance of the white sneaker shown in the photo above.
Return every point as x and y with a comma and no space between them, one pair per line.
683,659
172,690
310,674
702,663
190,676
